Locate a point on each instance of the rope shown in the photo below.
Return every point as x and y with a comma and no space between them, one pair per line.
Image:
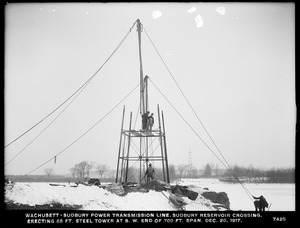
44,128
137,114
247,191
229,168
81,87
82,135
135,148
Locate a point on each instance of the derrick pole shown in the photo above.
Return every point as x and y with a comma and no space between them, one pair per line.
143,91
143,101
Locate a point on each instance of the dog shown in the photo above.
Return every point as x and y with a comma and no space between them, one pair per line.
260,205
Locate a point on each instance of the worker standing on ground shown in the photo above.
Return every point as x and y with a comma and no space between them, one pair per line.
149,173
145,120
150,122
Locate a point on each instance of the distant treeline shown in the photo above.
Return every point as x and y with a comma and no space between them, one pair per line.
246,174
45,178
279,175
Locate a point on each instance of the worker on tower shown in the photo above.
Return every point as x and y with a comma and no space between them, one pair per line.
150,122
145,120
149,173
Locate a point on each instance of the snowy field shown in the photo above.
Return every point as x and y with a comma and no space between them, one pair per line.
282,196
95,198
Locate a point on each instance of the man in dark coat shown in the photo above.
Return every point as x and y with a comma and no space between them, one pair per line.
150,173
150,122
145,120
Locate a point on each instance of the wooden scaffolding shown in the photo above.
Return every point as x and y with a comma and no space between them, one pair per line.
138,148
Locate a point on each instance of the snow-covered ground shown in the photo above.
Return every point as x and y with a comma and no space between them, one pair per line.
95,198
282,196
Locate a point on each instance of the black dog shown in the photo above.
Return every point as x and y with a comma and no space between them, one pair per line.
260,205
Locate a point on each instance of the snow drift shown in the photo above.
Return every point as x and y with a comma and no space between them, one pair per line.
99,198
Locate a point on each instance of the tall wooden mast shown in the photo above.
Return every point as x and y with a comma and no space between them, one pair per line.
143,96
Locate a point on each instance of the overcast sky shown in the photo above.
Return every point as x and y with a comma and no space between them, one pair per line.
235,62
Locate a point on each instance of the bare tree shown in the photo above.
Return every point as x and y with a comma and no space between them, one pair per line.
194,172
49,172
88,168
207,171
172,172
101,169
73,172
181,168
217,170
82,169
